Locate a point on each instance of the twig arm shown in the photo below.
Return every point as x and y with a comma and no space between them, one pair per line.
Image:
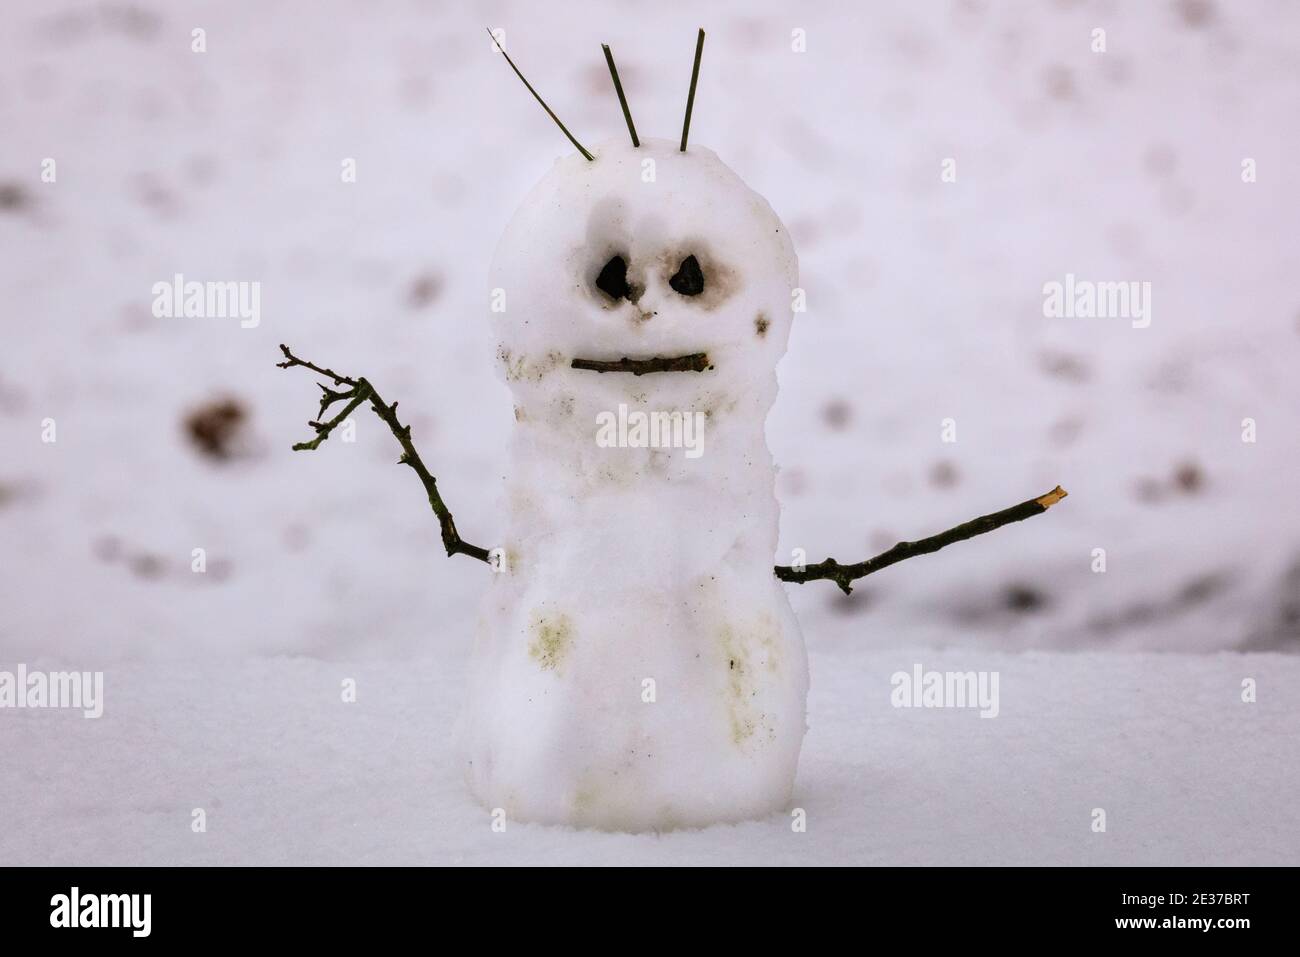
845,575
360,391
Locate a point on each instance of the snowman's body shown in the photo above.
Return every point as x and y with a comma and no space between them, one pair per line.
638,665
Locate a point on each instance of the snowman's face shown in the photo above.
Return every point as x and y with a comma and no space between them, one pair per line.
645,253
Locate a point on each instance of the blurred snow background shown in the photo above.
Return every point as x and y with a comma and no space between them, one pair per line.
925,303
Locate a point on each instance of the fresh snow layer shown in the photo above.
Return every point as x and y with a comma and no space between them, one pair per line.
287,773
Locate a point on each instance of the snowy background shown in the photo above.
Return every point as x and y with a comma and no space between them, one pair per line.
1120,689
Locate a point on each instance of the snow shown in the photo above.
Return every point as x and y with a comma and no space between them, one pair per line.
287,773
924,304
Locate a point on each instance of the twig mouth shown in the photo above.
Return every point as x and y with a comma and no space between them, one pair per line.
695,362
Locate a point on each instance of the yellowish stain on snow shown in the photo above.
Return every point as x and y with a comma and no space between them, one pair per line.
586,796
552,638
749,651
523,367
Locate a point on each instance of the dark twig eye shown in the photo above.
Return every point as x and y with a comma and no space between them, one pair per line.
612,280
689,279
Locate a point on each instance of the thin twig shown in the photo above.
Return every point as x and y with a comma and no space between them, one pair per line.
845,575
362,391
618,88
690,98
695,362
537,96
291,360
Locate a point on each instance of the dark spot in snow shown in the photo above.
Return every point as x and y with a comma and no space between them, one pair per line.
836,413
146,566
153,193
1202,588
215,427
760,325
1189,478
12,401
13,197
1065,366
1065,431
1195,13
944,474
1023,598
1142,613
132,21
854,603
424,289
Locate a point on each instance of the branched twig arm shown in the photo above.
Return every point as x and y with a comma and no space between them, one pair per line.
360,391
845,575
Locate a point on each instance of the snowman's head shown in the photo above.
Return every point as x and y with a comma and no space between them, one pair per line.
642,253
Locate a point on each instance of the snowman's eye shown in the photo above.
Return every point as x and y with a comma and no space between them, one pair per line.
612,280
689,279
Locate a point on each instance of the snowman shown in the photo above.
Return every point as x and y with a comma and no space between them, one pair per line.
637,664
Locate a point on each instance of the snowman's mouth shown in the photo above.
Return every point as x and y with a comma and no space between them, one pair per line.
695,362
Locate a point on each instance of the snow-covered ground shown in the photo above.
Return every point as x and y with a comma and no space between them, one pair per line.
925,304
285,772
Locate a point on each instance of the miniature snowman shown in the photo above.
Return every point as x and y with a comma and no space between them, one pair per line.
638,665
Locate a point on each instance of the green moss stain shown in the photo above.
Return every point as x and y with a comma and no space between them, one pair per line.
552,637
748,655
